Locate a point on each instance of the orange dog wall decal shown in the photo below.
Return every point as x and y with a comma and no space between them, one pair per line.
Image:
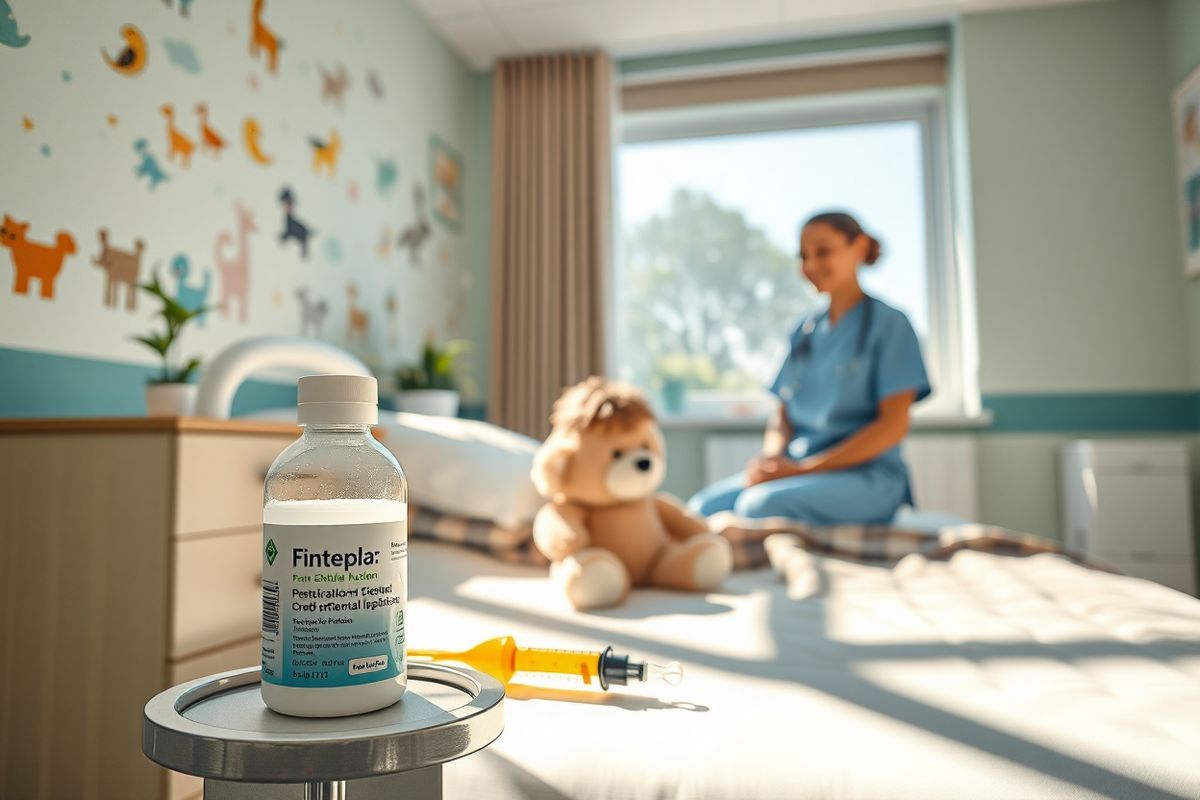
325,153
33,259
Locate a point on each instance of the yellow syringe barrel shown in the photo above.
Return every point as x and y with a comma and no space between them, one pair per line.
562,662
501,657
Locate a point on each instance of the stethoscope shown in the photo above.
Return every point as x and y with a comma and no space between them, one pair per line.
803,348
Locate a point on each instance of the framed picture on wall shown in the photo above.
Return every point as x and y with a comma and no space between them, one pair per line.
445,166
1186,107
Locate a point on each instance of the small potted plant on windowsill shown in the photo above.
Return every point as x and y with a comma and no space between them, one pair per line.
170,393
430,386
679,371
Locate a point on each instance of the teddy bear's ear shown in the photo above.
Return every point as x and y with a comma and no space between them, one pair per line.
550,466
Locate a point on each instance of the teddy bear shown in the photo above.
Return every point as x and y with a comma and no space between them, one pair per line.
604,528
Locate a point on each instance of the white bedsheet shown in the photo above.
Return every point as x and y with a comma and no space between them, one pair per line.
980,677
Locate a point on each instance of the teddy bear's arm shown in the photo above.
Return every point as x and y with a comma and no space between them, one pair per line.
679,522
559,530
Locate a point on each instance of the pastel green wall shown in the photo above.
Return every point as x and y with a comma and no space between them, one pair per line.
1061,119
1182,25
479,209
1076,260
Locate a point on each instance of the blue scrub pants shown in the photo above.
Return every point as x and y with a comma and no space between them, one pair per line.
871,493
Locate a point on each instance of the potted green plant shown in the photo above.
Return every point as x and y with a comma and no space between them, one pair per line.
430,386
170,393
679,371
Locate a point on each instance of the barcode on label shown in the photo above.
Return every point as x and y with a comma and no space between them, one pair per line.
270,611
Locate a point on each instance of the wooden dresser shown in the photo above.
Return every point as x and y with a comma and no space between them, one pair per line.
129,562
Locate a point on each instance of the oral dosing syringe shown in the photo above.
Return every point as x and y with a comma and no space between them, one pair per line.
502,657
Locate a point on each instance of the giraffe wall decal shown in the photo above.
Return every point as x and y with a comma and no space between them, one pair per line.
235,271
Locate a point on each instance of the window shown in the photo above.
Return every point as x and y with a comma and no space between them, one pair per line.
709,206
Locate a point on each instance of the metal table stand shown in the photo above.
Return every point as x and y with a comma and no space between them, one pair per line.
219,729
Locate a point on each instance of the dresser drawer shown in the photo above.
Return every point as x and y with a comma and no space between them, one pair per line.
219,480
235,656
217,596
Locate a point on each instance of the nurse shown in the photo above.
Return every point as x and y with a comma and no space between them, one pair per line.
831,453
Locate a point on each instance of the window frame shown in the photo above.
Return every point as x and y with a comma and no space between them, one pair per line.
950,305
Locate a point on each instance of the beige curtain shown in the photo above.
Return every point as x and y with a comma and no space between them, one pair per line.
551,197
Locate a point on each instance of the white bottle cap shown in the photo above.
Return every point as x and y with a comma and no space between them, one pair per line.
338,400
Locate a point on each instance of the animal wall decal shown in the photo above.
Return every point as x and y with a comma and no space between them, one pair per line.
312,313
325,153
177,143
293,228
374,84
148,167
181,54
185,7
235,271
385,175
34,260
415,235
392,306
334,84
251,140
190,297
210,140
9,35
384,246
263,39
131,60
357,319
122,268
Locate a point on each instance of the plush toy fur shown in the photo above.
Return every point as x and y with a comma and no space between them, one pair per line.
604,529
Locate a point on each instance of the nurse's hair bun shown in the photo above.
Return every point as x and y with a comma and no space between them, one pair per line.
850,228
874,250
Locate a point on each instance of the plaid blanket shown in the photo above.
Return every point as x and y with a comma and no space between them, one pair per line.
748,537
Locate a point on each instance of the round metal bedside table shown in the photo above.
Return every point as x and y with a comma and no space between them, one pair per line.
218,728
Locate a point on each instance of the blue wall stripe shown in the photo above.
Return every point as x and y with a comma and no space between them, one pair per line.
1115,411
36,384
50,385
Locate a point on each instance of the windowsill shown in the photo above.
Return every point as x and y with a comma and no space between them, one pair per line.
920,422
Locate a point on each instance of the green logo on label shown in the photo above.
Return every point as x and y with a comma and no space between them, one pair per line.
272,551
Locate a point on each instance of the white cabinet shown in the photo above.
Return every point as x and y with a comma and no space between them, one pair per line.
1129,504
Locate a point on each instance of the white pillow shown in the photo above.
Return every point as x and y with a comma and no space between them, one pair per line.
459,466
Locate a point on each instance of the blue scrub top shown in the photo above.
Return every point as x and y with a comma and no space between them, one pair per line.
833,390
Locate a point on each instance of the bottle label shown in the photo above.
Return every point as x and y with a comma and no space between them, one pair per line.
333,599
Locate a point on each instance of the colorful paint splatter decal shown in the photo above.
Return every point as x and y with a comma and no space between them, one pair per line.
374,85
333,250
385,175
182,55
185,7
